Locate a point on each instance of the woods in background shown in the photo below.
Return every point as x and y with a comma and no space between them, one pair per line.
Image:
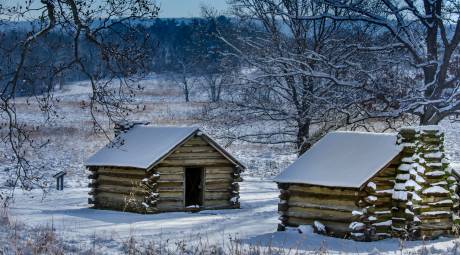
273,71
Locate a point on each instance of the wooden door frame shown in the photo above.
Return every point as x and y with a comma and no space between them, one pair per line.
203,184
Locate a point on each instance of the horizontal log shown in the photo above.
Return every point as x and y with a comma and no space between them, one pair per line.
228,179
119,202
222,206
319,214
344,203
388,179
170,190
323,190
324,206
209,195
218,185
104,179
387,172
123,175
170,205
196,162
103,170
335,228
170,185
213,176
213,154
220,170
329,196
195,148
216,203
195,142
166,194
169,170
171,177
434,199
121,190
227,189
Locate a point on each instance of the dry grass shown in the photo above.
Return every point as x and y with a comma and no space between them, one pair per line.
45,240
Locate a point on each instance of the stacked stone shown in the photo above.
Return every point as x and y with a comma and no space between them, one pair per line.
152,196
373,221
92,185
438,191
403,216
381,214
235,188
283,206
361,228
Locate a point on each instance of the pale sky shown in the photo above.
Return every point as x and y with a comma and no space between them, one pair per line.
187,8
169,8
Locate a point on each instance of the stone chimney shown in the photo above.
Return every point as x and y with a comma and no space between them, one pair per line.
425,182
124,126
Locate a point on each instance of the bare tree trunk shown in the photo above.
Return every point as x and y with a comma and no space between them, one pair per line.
186,90
430,116
303,143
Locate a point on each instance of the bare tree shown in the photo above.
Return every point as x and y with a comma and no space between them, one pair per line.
300,79
101,25
428,31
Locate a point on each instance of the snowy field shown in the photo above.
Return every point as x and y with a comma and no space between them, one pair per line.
67,212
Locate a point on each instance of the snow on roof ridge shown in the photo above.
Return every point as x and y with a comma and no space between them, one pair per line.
364,132
141,146
339,160
144,146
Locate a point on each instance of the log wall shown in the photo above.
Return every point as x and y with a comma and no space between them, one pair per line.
118,188
432,192
221,177
162,188
376,203
414,197
302,204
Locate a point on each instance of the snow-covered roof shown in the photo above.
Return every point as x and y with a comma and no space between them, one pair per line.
342,159
145,146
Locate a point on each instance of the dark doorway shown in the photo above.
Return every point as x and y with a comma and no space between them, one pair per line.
193,186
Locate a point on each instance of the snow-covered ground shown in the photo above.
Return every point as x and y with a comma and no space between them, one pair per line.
72,141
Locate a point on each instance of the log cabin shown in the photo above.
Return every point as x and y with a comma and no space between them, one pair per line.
149,169
370,186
